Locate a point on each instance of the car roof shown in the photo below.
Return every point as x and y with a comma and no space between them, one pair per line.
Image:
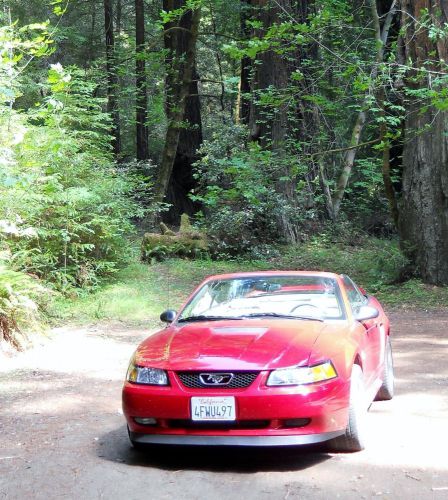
258,274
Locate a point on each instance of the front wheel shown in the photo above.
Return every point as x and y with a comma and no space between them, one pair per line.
386,391
354,437
134,444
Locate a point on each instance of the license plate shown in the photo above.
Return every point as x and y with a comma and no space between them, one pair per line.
213,408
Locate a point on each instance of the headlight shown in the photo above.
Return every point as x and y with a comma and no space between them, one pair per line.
144,375
302,375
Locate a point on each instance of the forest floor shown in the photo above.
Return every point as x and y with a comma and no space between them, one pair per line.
62,433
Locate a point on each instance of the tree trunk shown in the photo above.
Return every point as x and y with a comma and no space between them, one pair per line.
349,160
177,39
112,78
307,113
423,219
141,92
272,126
386,166
243,103
181,82
271,70
381,37
119,17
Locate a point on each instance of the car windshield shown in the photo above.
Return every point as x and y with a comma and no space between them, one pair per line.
302,297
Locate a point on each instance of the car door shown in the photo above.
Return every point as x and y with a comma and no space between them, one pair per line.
373,344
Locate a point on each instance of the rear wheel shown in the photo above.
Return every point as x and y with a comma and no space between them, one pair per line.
386,390
353,438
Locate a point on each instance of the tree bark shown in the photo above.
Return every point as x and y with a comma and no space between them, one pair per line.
349,160
269,125
423,221
270,70
112,78
141,92
386,166
272,126
181,78
243,102
177,39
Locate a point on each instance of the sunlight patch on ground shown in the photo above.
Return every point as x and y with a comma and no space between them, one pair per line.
410,440
87,351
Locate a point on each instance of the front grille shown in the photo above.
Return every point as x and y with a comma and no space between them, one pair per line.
239,424
240,380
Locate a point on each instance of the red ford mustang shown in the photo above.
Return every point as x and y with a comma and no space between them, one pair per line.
264,358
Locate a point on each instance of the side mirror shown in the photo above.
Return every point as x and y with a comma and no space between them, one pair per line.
366,312
168,316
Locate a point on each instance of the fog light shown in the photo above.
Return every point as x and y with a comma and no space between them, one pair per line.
145,421
296,422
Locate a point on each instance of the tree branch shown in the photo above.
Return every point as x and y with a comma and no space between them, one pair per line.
349,159
342,150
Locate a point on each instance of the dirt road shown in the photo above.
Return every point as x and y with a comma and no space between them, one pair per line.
62,434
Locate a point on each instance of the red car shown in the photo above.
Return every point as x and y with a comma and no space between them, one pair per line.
262,359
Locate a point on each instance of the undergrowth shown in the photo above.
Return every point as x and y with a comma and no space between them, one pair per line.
141,292
22,299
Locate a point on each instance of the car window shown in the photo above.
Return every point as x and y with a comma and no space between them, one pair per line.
355,297
294,295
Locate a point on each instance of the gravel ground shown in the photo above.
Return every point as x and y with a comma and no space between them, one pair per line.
62,433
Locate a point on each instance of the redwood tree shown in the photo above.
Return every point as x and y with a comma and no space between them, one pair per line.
112,78
273,125
243,104
424,209
175,174
183,109
141,99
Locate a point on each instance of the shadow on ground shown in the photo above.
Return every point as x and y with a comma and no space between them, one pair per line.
115,447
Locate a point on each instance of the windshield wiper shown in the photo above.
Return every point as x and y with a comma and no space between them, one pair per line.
277,315
207,318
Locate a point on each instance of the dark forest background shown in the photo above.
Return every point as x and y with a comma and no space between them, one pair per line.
270,123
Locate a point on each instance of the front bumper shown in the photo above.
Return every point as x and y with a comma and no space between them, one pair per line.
197,440
324,406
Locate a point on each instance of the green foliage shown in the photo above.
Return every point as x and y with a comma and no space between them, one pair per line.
374,263
176,14
140,292
237,187
59,188
332,75
66,206
21,299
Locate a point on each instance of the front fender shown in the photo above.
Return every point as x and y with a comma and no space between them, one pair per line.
341,348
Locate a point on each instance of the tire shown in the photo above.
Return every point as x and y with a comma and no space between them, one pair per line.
353,438
386,391
134,444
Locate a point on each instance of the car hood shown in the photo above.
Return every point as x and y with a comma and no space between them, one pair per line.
224,345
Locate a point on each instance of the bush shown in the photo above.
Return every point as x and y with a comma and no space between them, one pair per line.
374,263
20,298
59,185
237,187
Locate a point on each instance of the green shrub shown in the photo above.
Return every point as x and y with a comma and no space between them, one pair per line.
237,187
374,263
59,184
21,299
